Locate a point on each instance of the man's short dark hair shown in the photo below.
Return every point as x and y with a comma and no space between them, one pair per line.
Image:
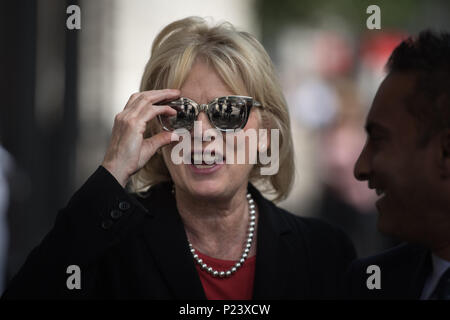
428,56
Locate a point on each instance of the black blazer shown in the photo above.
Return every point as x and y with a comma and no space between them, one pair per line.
403,272
129,247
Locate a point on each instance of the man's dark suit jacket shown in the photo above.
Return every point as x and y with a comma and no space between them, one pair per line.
403,269
132,247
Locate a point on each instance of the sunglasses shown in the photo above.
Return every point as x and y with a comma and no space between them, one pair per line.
225,113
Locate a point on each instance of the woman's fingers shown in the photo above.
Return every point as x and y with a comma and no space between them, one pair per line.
161,95
145,108
142,108
152,144
149,112
150,97
128,151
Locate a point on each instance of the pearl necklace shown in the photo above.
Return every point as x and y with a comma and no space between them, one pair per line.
248,245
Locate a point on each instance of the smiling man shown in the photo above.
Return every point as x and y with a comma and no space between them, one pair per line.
406,159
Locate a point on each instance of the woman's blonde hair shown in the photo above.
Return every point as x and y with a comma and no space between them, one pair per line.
238,58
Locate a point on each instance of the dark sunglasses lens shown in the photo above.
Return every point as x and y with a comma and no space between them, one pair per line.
228,114
184,119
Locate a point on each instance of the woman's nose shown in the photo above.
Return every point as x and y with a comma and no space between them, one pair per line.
203,118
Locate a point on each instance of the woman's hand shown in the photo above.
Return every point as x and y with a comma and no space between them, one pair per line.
128,151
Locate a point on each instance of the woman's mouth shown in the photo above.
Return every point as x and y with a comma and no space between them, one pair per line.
204,168
201,167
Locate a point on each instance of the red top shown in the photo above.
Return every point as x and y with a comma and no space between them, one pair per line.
238,286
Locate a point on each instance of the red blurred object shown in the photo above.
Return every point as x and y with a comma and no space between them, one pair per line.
376,49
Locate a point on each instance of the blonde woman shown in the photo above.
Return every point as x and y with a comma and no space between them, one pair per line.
191,230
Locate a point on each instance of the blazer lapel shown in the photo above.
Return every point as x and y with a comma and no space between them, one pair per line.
407,277
274,268
167,241
420,273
